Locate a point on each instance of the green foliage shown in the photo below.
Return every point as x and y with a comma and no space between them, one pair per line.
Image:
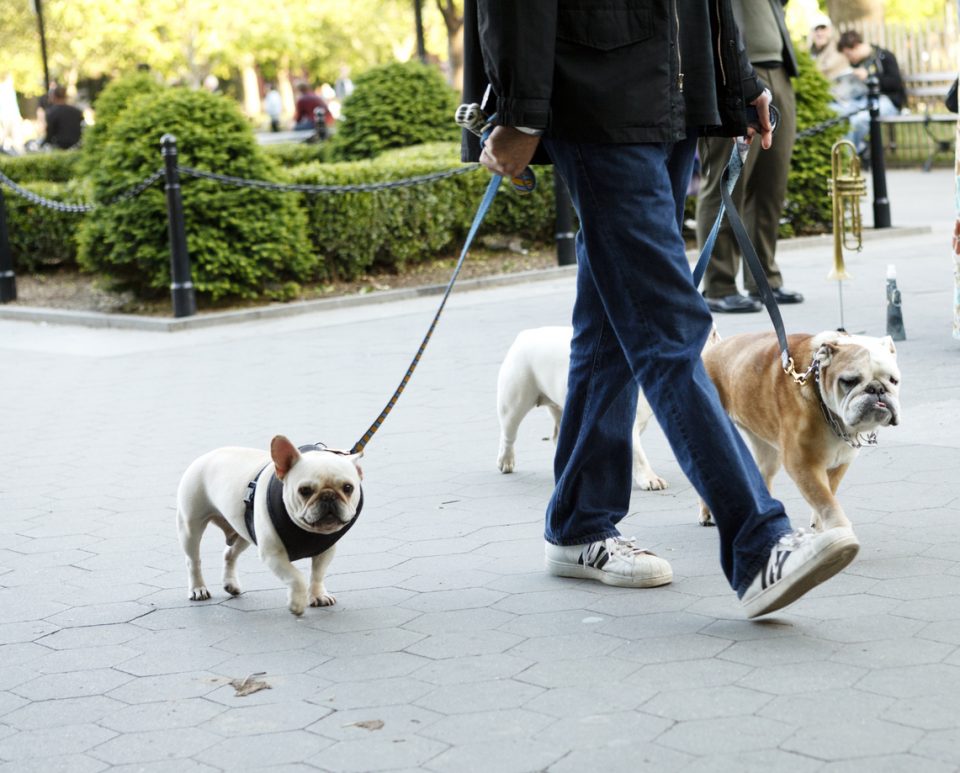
391,228
242,242
392,107
42,238
809,209
115,98
54,167
296,153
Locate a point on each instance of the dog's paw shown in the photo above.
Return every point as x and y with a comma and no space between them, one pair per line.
652,483
298,602
323,600
506,461
705,518
199,593
232,587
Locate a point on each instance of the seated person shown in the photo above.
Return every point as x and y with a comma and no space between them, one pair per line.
850,89
64,122
823,49
307,103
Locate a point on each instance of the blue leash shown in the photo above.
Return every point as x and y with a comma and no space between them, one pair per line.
482,210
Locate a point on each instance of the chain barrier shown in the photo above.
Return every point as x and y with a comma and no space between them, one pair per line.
242,182
60,206
819,128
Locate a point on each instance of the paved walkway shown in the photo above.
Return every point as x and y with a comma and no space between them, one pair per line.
450,649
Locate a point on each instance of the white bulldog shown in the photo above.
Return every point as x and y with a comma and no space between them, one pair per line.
290,504
534,373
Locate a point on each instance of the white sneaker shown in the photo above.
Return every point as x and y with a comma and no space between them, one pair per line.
613,561
799,562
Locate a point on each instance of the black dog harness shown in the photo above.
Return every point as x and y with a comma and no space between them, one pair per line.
298,542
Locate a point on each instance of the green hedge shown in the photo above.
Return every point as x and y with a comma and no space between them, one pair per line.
395,106
296,153
243,243
55,166
355,232
42,238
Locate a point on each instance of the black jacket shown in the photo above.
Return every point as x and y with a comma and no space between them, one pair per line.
598,70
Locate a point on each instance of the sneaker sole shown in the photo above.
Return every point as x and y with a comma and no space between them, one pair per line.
561,569
834,558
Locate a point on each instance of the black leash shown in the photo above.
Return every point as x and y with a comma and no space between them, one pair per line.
728,180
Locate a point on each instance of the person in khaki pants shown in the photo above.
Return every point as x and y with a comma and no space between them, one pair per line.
760,192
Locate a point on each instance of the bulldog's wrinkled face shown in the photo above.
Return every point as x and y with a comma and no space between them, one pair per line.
321,489
860,380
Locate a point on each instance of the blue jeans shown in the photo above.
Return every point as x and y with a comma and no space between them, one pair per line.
638,319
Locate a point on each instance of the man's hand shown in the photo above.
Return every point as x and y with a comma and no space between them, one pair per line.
507,151
762,103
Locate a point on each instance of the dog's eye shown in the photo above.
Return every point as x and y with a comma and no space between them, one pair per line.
849,383
347,488
894,381
305,491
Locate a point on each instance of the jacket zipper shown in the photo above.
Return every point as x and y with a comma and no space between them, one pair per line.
676,18
723,72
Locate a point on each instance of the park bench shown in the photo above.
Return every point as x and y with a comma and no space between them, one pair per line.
925,107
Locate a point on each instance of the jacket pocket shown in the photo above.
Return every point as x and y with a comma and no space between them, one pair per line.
604,28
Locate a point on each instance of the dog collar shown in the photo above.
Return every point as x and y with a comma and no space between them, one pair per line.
854,441
298,542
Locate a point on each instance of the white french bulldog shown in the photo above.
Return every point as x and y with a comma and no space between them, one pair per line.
815,430
299,505
534,373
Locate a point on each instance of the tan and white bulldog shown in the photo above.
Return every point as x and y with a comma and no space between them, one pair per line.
815,430
534,373
290,504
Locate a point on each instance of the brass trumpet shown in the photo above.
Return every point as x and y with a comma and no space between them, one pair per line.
847,186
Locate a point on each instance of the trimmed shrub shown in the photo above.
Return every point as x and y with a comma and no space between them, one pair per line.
43,238
392,107
809,209
55,166
242,242
116,97
390,228
296,153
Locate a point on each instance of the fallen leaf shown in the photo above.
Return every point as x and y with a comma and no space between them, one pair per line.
367,724
249,685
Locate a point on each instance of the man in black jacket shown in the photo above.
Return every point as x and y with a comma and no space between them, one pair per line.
614,93
762,187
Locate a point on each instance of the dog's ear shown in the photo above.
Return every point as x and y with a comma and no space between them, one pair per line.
887,341
825,353
284,455
355,458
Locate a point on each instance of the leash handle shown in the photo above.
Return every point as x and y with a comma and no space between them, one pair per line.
482,210
472,118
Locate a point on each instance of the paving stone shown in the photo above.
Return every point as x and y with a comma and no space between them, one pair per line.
506,756
264,719
399,723
154,745
754,762
161,715
469,697
574,672
492,726
53,741
474,668
642,758
894,763
72,685
61,712
789,678
367,755
707,703
866,737
725,735
454,645
68,763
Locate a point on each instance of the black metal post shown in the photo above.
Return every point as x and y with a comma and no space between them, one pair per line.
565,235
8,280
878,169
181,286
418,19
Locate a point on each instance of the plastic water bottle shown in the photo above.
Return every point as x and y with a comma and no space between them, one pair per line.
894,312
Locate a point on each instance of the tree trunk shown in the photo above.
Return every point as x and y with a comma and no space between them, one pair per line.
453,20
252,104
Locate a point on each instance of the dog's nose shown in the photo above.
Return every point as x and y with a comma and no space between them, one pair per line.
875,388
327,495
